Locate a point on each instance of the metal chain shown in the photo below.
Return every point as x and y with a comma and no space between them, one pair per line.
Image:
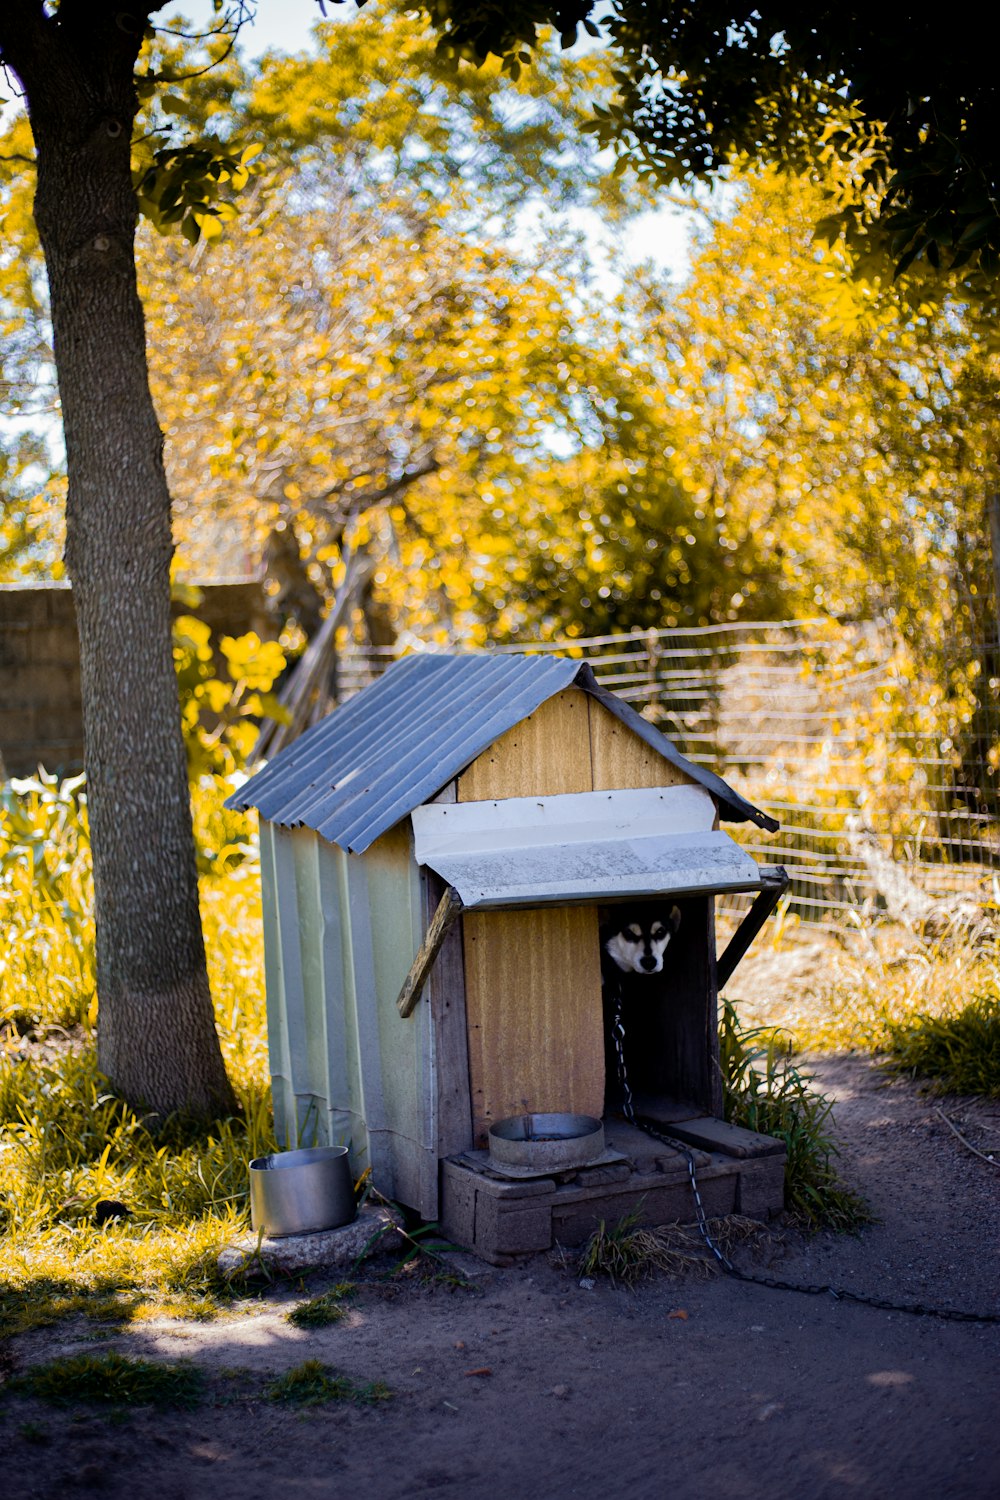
628,1110
840,1294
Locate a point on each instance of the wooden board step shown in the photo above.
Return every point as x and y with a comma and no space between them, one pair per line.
718,1135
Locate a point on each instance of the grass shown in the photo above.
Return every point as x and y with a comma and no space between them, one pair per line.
764,1091
111,1380
628,1252
47,975
67,1142
957,1051
321,1311
851,989
117,1380
315,1384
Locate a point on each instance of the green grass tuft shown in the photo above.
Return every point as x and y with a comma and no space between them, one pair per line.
957,1052
325,1309
765,1092
111,1380
314,1384
33,1432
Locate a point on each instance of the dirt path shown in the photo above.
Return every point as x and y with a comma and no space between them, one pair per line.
682,1389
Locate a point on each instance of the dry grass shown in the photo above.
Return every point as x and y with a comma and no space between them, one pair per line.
850,990
629,1252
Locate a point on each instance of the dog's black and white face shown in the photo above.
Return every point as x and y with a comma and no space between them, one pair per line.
639,935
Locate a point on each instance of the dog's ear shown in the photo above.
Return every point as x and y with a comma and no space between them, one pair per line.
675,918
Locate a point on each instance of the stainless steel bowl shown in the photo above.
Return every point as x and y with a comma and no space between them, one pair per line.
546,1142
300,1192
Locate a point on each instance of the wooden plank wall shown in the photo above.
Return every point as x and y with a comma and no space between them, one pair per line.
533,977
620,760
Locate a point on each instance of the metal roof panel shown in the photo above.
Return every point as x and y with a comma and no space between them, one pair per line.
368,764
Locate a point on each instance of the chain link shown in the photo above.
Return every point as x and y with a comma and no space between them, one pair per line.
840,1294
628,1110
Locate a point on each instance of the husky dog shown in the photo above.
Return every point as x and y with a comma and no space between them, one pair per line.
633,942
635,938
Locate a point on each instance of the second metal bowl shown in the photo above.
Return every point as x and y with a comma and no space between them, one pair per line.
546,1142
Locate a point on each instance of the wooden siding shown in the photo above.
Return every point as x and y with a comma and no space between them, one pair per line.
621,761
533,999
547,753
533,977
571,744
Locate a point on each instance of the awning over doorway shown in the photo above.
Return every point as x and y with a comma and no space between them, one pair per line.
586,846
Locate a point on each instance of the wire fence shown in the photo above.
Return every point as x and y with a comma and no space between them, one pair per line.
835,731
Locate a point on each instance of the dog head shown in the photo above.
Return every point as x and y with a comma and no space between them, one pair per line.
637,936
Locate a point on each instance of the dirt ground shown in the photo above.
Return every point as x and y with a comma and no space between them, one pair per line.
538,1384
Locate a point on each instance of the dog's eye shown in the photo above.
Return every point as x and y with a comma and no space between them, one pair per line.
658,932
633,933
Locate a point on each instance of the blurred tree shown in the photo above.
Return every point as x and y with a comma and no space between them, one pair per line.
383,336
910,114
781,440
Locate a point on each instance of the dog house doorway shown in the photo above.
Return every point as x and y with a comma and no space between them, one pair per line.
533,878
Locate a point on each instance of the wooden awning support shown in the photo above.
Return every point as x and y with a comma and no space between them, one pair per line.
450,908
775,878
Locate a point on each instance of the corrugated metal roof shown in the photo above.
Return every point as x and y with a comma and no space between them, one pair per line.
353,776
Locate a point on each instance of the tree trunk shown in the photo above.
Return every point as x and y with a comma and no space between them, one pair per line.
156,1035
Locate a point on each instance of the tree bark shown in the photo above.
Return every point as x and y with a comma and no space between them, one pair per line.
156,1034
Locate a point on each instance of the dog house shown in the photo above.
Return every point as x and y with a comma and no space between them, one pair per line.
437,856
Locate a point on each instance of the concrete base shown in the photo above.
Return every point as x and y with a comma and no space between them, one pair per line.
500,1219
373,1231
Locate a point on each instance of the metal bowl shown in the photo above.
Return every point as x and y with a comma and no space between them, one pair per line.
546,1142
301,1192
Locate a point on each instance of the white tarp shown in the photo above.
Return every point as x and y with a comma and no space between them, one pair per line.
583,846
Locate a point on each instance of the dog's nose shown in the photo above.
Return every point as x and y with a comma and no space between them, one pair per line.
648,962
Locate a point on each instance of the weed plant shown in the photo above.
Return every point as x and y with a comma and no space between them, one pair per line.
764,1091
321,1311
